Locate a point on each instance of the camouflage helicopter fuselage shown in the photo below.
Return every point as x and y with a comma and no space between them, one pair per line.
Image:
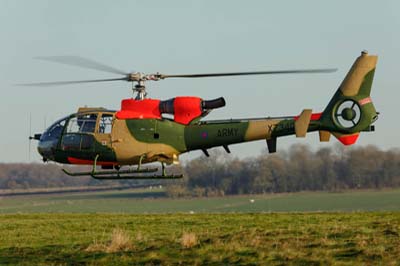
149,139
140,133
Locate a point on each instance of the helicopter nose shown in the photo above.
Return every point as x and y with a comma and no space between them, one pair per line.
46,149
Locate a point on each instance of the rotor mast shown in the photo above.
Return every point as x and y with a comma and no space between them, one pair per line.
140,89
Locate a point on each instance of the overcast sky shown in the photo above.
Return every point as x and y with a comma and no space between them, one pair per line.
194,36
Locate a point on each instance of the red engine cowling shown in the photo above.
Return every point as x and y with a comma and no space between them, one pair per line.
184,108
139,109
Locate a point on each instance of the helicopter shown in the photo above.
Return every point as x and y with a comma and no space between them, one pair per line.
147,130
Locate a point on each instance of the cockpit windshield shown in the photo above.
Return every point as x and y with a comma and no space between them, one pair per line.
54,131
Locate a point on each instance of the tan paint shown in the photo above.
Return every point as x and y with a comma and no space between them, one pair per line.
301,124
94,110
104,139
354,78
324,136
128,150
260,129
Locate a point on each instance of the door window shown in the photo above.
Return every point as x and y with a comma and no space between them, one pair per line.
74,140
105,124
82,124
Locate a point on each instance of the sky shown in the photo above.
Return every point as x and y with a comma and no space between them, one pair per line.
194,37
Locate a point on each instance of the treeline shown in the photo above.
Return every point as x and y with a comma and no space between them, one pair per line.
39,175
297,169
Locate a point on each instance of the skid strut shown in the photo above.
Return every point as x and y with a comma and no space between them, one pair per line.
138,173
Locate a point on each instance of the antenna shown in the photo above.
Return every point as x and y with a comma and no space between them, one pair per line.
30,139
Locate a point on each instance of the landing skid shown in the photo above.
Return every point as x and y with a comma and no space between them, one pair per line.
125,174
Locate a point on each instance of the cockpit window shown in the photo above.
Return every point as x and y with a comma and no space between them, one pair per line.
82,124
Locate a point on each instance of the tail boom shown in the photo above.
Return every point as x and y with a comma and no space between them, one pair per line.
349,112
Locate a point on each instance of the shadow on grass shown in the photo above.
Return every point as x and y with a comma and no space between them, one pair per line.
348,254
46,255
75,255
117,195
158,194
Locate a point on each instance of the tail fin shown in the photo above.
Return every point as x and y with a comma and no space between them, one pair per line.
351,110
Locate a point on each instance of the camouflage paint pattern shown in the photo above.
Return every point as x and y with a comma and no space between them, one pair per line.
147,140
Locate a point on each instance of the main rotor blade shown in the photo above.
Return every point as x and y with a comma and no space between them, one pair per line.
295,71
81,62
60,83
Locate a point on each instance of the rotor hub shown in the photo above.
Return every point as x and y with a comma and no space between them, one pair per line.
135,76
348,114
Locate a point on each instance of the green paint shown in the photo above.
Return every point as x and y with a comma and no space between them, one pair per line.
365,89
212,134
105,153
283,128
158,131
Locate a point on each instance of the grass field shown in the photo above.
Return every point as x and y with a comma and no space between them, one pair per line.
154,201
201,239
141,227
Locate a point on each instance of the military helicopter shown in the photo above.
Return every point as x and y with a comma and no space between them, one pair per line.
142,132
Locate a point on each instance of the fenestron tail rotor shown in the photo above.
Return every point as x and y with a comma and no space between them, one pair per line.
141,78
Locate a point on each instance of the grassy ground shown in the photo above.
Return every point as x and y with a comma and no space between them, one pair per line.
142,227
200,239
154,201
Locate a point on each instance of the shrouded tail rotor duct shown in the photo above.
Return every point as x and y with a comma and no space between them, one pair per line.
347,114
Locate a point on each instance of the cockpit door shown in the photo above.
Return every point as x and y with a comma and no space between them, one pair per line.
78,136
103,131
